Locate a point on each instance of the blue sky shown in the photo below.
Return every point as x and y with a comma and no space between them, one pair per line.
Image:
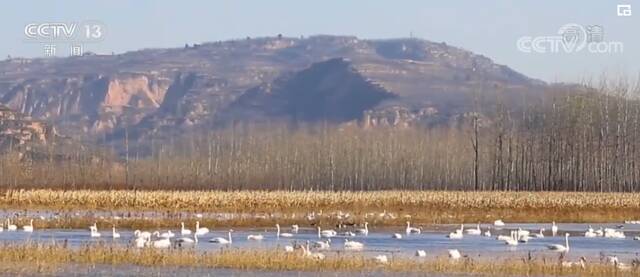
489,27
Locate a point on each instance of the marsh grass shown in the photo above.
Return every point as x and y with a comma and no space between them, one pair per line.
425,207
292,200
51,257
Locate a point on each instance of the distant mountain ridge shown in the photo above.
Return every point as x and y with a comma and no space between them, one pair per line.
335,79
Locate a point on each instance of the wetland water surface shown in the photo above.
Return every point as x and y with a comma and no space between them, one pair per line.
379,241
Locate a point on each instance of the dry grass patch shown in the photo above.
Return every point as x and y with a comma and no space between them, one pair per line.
422,206
274,260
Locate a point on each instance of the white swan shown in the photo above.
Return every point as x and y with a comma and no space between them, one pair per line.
348,234
487,233
160,243
613,260
540,234
512,240
613,233
184,231
365,230
114,234
454,254
600,232
322,245
560,247
523,239
201,231
221,240
498,223
94,231
475,231
11,227
140,242
412,230
421,253
326,233
457,234
554,228
396,236
581,263
284,235
255,237
167,235
590,234
295,228
144,235
288,248
187,240
353,245
382,259
28,228
522,233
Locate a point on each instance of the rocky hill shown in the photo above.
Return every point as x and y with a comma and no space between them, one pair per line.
19,133
336,79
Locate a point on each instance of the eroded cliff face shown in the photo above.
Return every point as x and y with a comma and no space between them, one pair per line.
88,104
134,91
18,131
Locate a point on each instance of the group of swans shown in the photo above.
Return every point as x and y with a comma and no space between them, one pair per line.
518,236
312,255
145,238
608,260
604,232
611,233
509,240
13,227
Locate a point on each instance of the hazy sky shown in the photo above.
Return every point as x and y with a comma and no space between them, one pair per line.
487,27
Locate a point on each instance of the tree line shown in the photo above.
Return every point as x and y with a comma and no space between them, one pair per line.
574,142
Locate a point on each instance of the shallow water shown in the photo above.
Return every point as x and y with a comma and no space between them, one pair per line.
379,241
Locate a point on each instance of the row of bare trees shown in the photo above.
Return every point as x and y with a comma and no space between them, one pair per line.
576,142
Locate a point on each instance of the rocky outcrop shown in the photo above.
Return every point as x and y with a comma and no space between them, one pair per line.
90,103
162,92
20,132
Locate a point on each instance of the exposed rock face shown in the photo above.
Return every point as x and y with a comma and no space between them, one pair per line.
18,131
87,104
399,82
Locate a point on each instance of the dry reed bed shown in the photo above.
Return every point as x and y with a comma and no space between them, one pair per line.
270,201
47,256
